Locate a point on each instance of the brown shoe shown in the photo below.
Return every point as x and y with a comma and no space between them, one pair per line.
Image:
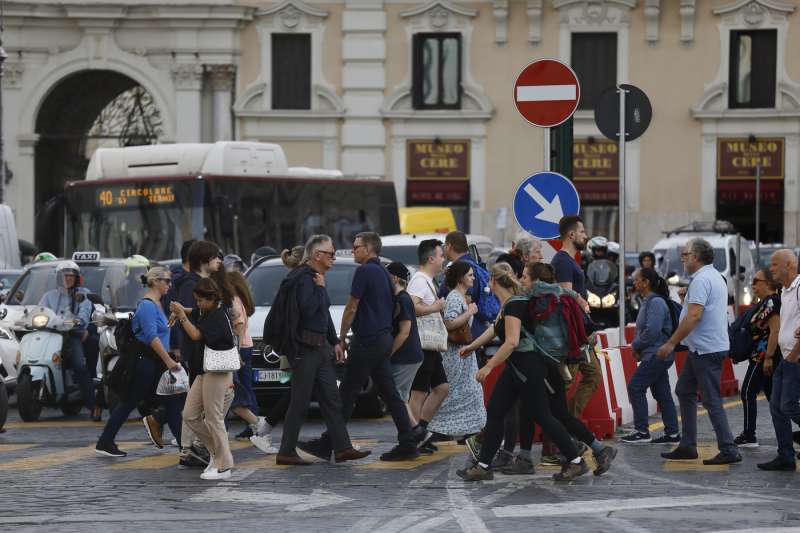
290,460
351,454
153,429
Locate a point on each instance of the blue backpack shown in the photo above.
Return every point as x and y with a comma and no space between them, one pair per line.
740,336
488,304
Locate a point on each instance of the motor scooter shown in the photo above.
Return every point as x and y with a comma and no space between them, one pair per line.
602,287
43,380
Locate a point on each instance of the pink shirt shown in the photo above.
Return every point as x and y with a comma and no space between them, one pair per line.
240,320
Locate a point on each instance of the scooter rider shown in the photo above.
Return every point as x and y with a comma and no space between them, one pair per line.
68,297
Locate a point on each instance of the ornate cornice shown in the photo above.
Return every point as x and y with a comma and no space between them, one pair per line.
775,5
293,8
188,76
221,77
440,8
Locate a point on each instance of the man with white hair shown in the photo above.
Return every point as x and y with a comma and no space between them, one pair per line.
527,248
784,403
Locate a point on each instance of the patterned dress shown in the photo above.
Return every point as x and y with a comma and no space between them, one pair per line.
462,411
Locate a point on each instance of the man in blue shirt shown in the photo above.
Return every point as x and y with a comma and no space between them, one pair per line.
369,313
69,299
703,329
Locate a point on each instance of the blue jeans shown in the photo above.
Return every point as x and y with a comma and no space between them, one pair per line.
76,360
784,405
143,387
243,395
702,373
652,373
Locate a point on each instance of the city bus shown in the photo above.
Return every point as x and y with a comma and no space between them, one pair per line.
148,200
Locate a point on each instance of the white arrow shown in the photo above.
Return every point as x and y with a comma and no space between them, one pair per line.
293,502
551,211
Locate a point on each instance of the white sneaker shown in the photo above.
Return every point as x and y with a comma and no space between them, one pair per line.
262,427
264,444
210,465
215,475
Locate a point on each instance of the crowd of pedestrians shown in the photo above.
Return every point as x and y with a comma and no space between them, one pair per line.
428,342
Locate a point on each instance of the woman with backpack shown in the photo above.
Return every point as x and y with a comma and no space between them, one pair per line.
462,413
654,325
150,327
532,377
204,412
765,356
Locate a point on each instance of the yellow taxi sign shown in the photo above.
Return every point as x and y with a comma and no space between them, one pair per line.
422,220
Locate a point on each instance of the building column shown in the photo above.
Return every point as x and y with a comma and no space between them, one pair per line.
23,186
188,79
363,84
791,191
222,77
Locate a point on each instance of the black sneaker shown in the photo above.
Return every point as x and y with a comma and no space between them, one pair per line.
667,439
420,433
245,434
637,438
723,459
189,461
399,453
317,448
796,437
503,459
604,459
746,441
681,454
779,465
428,448
108,449
198,454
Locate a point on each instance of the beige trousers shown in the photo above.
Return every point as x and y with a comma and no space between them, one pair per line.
204,414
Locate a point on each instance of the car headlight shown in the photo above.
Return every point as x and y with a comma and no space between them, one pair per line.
40,320
747,299
673,280
609,300
594,300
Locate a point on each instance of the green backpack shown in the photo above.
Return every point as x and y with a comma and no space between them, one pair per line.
549,335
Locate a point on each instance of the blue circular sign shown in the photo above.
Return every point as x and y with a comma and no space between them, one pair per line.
542,200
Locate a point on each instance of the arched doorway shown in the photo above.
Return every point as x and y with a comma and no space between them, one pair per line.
82,112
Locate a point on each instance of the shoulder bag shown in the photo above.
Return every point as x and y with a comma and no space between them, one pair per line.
460,336
432,332
222,360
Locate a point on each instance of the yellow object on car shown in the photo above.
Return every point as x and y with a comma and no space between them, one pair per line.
426,220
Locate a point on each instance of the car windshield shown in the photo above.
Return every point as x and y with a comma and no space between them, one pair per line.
669,261
7,279
403,254
118,286
265,281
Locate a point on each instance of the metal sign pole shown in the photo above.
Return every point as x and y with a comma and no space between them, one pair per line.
758,212
547,150
621,215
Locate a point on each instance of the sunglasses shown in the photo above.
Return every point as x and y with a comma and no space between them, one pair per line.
329,254
167,280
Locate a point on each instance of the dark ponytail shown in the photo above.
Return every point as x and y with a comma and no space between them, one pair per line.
657,283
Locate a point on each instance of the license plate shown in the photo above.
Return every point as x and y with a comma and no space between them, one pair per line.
262,376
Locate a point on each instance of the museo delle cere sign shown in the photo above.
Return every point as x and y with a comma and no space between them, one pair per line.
435,159
595,160
737,159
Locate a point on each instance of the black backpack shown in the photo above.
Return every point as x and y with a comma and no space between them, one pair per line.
740,336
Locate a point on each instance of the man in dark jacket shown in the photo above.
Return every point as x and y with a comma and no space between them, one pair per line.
312,364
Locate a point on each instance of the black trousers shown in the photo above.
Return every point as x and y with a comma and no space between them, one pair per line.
524,379
313,373
754,382
369,358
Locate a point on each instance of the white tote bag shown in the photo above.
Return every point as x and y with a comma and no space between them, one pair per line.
222,360
432,332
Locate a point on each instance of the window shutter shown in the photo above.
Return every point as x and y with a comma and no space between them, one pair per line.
594,60
291,71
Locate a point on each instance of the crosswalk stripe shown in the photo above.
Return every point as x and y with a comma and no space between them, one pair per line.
704,451
47,460
164,459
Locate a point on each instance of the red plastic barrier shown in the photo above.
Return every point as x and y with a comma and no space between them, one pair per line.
680,360
630,332
729,385
628,362
603,338
596,415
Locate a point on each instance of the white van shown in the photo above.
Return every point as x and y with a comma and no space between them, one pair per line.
722,237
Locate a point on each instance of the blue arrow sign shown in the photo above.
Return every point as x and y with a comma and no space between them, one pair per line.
541,200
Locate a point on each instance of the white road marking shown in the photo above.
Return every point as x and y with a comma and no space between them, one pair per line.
610,506
462,507
546,93
761,530
293,502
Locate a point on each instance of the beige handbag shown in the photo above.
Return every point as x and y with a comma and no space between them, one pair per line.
432,332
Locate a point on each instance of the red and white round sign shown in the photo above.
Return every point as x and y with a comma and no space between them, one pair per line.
547,93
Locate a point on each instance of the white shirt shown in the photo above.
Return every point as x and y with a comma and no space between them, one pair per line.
790,317
421,286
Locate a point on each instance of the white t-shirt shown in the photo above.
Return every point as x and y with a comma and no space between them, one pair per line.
790,317
421,286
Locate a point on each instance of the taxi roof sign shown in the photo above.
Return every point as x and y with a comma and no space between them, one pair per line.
86,257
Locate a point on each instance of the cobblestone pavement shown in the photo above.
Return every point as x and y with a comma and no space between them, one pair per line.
52,481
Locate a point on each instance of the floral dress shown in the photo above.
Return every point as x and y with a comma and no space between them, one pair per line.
462,411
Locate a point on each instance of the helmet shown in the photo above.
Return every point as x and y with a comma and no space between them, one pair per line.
68,267
44,257
613,247
233,262
596,245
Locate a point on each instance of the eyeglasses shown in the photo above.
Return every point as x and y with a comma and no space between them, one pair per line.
329,254
167,280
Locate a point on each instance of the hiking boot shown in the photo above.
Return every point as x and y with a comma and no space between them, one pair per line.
503,459
778,465
723,459
551,460
153,429
520,466
571,470
668,439
399,453
680,454
746,441
475,473
604,458
637,438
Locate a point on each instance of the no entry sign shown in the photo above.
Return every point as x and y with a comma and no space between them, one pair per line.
547,93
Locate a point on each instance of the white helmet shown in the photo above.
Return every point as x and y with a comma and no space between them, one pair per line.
597,242
68,267
613,247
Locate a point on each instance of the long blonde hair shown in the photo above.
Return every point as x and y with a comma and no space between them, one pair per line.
504,276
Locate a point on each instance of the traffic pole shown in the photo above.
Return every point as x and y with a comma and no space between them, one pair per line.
547,150
621,260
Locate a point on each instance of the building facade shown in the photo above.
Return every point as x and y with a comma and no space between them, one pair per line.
420,93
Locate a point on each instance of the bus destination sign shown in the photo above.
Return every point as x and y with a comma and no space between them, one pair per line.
135,196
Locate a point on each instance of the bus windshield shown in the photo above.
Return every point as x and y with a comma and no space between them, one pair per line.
151,219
